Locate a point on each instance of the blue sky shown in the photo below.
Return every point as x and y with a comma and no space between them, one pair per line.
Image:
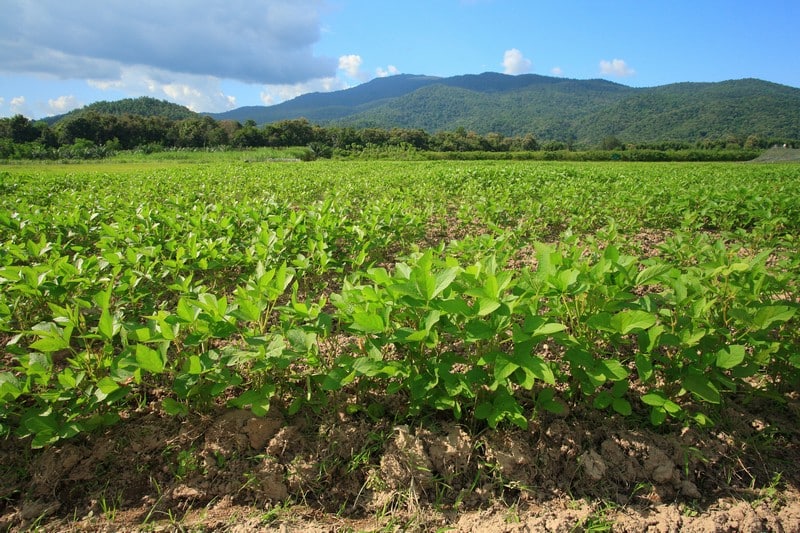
214,55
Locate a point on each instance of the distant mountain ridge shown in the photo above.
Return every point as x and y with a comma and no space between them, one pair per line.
580,112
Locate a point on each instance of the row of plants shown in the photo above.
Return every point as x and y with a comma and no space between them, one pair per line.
319,286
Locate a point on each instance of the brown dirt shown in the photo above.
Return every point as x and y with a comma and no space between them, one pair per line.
232,471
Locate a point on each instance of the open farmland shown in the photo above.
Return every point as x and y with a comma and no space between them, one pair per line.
400,344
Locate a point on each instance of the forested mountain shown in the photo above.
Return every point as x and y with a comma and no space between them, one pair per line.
143,106
576,112
580,111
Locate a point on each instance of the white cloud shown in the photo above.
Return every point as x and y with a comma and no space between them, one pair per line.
391,70
556,71
515,63
178,92
198,93
351,65
275,94
254,41
17,105
62,104
616,67
2,101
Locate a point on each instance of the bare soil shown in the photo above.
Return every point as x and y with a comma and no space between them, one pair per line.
583,471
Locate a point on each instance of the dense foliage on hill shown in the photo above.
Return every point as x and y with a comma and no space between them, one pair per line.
143,106
481,114
581,112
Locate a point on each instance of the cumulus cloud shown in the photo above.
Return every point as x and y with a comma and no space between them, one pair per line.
275,94
254,41
515,63
351,65
17,105
391,70
62,104
616,67
198,93
556,71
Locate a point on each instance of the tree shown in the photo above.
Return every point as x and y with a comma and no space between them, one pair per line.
296,132
22,130
249,136
528,142
79,127
610,142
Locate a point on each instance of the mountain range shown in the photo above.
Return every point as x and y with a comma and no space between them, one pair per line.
578,111
584,111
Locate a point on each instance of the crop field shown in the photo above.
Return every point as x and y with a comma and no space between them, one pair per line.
376,345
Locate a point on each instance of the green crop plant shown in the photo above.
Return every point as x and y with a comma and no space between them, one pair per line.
486,291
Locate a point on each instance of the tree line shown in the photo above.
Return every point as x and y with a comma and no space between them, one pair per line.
94,134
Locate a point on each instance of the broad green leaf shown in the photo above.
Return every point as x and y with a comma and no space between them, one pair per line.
107,385
702,420
546,400
410,335
672,407
700,386
654,398
194,366
477,329
650,339
649,274
338,378
613,369
622,406
773,313
301,341
258,400
106,324
370,367
174,408
149,359
455,306
9,387
538,326
486,306
551,328
484,410
690,337
141,334
187,311
600,321
368,323
50,344
166,329
443,280
536,366
564,279
629,320
432,319
644,367
248,310
730,356
503,367
657,416
602,400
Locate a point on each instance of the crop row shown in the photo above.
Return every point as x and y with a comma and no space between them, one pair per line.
319,285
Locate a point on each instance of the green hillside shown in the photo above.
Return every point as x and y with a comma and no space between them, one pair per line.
697,110
579,111
142,106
